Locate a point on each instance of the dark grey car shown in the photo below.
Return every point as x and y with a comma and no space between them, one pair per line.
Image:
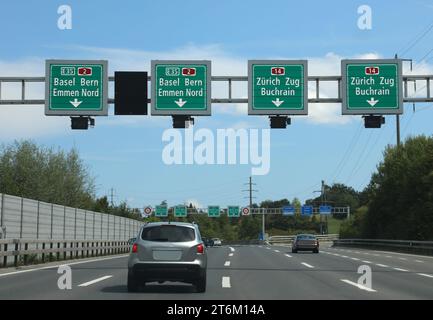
305,242
168,251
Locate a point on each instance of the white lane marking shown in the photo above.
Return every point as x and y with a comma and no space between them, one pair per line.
344,256
288,255
419,261
400,269
425,275
366,261
402,258
359,286
227,264
276,250
85,284
230,254
226,282
388,256
307,265
355,259
381,265
63,264
232,249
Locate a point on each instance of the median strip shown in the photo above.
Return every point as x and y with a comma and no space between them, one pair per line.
359,286
94,281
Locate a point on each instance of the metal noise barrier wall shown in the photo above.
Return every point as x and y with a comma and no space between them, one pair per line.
22,218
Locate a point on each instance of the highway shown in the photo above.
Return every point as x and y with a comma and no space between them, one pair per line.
240,272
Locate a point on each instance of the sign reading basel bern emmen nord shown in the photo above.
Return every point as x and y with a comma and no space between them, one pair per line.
76,87
181,87
277,87
372,86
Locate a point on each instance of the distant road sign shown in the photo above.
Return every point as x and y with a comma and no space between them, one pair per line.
181,87
325,209
372,86
213,211
180,211
245,211
277,87
161,211
288,210
76,87
233,211
307,210
148,210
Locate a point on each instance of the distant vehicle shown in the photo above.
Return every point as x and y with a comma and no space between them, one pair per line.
217,242
208,242
168,251
305,242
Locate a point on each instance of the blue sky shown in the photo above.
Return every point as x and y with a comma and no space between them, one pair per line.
124,153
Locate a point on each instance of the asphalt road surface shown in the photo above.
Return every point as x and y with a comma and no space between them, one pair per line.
241,272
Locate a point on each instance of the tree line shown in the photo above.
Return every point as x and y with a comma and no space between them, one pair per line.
396,204
55,176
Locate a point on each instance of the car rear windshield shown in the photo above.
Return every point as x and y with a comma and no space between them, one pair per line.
306,237
168,233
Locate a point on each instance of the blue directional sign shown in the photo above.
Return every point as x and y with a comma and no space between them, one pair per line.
288,210
307,210
325,209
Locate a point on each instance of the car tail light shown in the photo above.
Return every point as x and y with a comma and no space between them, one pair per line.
134,248
200,248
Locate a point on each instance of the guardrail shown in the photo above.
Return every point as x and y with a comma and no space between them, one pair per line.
289,239
425,247
39,251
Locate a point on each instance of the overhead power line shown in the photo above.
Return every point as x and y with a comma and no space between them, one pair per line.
418,38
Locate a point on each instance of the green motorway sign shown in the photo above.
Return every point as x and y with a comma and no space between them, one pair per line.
277,87
233,211
181,87
161,211
76,87
180,211
372,86
213,211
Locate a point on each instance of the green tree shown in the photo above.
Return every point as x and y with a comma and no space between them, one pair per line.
401,191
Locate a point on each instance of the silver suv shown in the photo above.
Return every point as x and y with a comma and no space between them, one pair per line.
168,251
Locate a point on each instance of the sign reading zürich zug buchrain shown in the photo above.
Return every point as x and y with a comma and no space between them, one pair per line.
76,87
181,87
277,87
372,86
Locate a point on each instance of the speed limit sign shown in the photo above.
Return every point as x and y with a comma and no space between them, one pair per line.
148,210
245,211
